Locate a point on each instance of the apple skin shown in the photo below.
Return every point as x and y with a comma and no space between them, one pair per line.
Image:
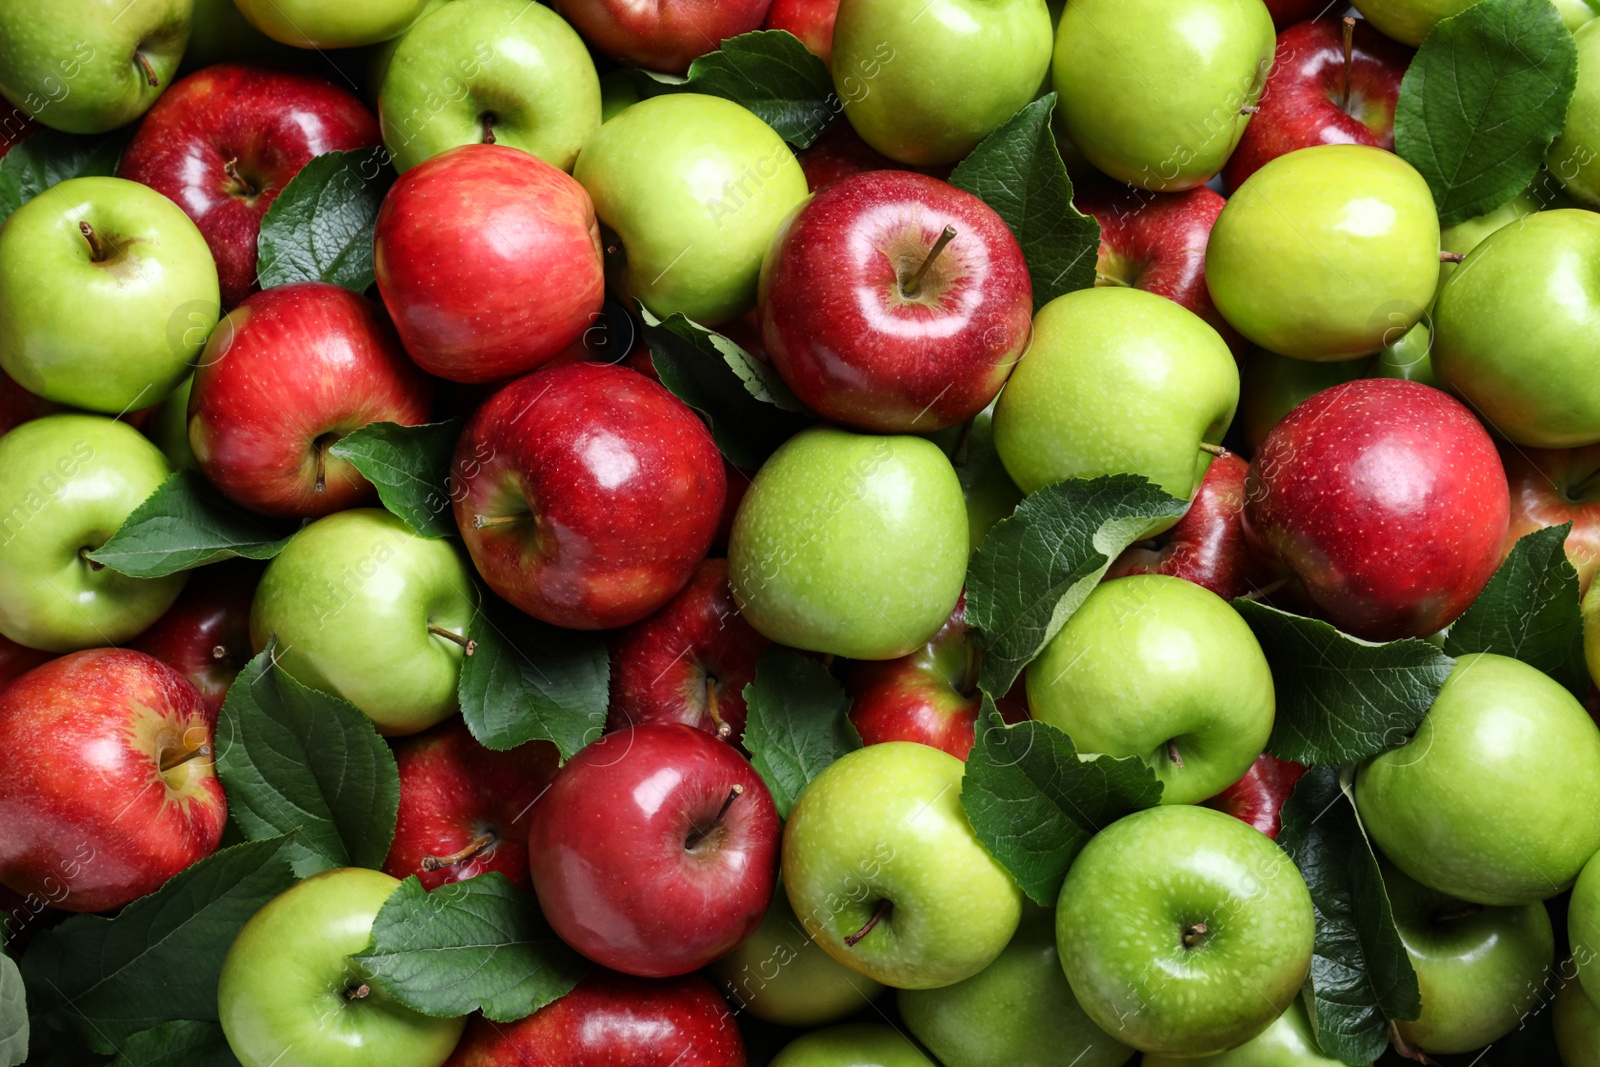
1577,13
1286,13
881,832
68,482
854,344
1346,492
1258,797
612,1020
930,696
1425,804
655,850
1178,868
625,486
1409,21
1288,1042
286,996
1273,385
1553,486
1577,1024
990,493
92,822
518,74
662,35
840,152
827,555
205,635
284,376
320,25
489,260
852,1045
143,287
1583,927
810,20
265,125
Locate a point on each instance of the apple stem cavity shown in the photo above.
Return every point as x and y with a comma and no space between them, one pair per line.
851,940
1349,59
169,762
1451,257
1194,934
241,185
488,119
94,564
912,285
149,71
693,841
469,645
473,847
360,992
97,248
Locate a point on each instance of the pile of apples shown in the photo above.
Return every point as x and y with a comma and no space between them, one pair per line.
1362,410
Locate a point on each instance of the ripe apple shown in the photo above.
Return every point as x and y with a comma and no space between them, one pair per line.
1583,926
107,785
1286,13
1577,1023
1410,358
290,996
286,375
587,494
1577,13
1463,237
810,20
655,850
320,25
1183,931
852,1045
205,635
1288,1042
168,428
1273,385
840,152
1409,21
1553,486
990,493
659,36
896,303
1259,796
930,696
127,273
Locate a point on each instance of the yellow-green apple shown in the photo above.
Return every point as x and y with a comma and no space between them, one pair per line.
666,35
852,1045
990,493
1409,21
1553,486
321,25
1577,1025
811,21
1583,926
1577,13
1463,237
1272,385
205,635
1288,1042
1259,796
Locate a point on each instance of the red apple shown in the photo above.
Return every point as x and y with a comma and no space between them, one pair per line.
1387,500
15,125
18,406
655,850
587,494
1313,96
107,786
809,20
1288,12
464,808
284,376
1259,796
930,696
489,260
223,142
205,635
840,152
894,302
661,35
612,1020
17,660
1550,486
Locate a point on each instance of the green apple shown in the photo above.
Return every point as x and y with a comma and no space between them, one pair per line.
1160,668
1016,1012
1116,381
520,75
1154,91
1574,156
322,24
363,608
618,92
1577,1023
67,482
1410,358
691,189
1327,253
885,873
1409,21
850,544
1583,926
1463,237
107,295
88,66
1576,13
852,1045
1288,1042
290,996
1272,385
221,33
169,428
379,55
1184,931
779,974
923,81
990,493
1496,800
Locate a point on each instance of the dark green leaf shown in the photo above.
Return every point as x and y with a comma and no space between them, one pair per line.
293,758
410,466
1036,568
476,945
772,74
1342,699
13,1015
185,524
160,959
1017,170
1034,804
798,723
319,229
1361,976
1482,100
181,1043
47,157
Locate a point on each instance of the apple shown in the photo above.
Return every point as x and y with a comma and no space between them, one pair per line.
103,265
67,482
1410,358
1577,13
811,21
840,152
1496,799
1553,486
1583,926
1347,492
1577,1023
990,493
320,25
1286,13
18,406
884,872
1463,237
290,996
587,494
1259,796
662,36
286,375
925,82
168,429
896,303
930,696
520,77
219,32
1273,385
827,554
107,784
224,142
1183,931
205,635
1117,380
1409,21
852,1045
1288,1042
655,850
1326,253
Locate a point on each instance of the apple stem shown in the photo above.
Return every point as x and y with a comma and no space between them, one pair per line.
1194,934
1108,280
360,992
1349,59
487,118
1249,109
1213,450
149,71
699,835
910,286
1451,257
473,847
469,645
241,185
1173,755
322,469
485,522
97,250
723,729
852,940
167,763
1266,590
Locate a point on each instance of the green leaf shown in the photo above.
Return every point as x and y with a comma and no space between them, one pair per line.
750,409
798,723
1530,611
1017,170
186,523
1361,976
1481,102
291,758
410,466
772,74
526,681
160,959
48,157
13,1015
1036,568
319,229
1342,699
1034,803
180,1043
475,945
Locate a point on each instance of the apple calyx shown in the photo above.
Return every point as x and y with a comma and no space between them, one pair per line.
149,71
219,652
169,762
97,248
1195,934
471,849
468,645
487,120
698,836
240,185
851,940
911,287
